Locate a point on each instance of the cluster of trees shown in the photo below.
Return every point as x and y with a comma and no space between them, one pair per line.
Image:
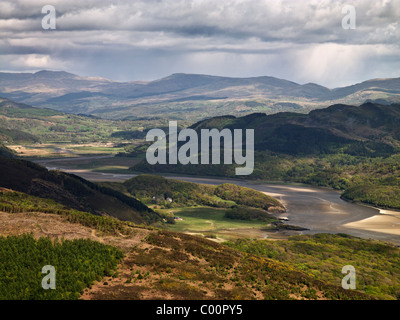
78,263
246,196
13,135
248,213
149,189
152,189
382,196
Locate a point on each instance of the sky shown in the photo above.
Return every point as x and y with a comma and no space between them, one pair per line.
302,41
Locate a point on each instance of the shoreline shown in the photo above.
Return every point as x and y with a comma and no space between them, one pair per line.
368,205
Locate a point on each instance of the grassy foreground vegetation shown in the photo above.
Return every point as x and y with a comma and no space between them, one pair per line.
323,255
219,223
212,270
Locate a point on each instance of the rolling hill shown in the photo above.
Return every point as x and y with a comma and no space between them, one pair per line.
151,189
366,130
184,96
372,128
24,124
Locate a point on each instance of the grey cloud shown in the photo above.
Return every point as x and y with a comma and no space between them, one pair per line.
267,20
141,39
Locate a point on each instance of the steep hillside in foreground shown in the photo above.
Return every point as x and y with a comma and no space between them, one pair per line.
167,265
324,255
72,191
177,266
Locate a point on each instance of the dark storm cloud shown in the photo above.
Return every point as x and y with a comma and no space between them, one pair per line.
125,40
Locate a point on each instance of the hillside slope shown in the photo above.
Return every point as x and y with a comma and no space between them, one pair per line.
325,254
166,265
23,124
72,191
6,152
351,148
369,130
369,126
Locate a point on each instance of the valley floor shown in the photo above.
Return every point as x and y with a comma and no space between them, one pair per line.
317,209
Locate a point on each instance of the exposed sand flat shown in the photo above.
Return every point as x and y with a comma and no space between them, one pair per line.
296,188
274,194
321,210
385,222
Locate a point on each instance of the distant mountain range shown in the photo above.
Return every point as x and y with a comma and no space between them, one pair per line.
185,96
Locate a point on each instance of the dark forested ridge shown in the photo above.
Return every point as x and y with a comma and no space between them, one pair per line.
72,191
368,129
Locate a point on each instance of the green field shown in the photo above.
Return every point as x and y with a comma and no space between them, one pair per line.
211,222
64,150
221,212
105,164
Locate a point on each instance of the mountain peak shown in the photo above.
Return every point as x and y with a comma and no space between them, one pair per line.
53,74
